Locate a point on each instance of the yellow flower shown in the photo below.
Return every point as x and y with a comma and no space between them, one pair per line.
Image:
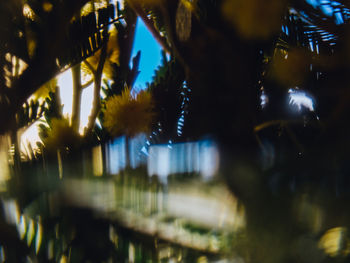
129,114
61,135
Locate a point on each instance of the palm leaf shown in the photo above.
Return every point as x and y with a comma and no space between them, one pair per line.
86,36
29,113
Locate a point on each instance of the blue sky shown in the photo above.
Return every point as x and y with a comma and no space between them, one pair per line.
150,54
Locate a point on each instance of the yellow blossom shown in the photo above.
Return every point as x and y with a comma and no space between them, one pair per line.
129,114
61,135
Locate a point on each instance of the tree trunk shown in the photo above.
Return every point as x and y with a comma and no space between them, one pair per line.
77,92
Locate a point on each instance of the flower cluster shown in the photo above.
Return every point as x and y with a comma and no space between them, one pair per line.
61,136
129,113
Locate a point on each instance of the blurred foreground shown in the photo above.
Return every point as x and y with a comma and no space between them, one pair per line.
171,207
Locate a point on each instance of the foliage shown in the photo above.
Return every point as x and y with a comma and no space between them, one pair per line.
166,89
44,90
112,55
29,113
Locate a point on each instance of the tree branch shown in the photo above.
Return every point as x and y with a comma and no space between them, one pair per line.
91,68
150,26
87,84
96,104
127,40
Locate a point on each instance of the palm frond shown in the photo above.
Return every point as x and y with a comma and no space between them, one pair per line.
29,113
86,36
168,93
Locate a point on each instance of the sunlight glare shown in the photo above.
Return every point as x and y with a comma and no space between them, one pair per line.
30,137
300,99
86,106
65,82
